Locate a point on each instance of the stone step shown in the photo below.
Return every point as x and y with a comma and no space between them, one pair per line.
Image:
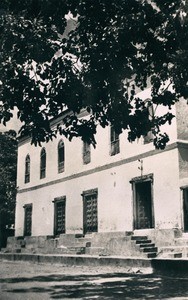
95,251
176,255
151,255
15,250
147,245
139,238
171,255
174,249
22,243
128,233
181,241
83,239
30,250
82,242
143,241
5,250
88,244
150,249
79,235
72,250
73,245
20,238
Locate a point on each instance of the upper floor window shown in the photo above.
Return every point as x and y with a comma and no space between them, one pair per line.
43,163
148,138
27,169
114,141
86,153
61,156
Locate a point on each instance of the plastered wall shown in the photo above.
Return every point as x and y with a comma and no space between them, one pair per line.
115,201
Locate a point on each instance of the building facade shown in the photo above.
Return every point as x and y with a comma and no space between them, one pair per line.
72,188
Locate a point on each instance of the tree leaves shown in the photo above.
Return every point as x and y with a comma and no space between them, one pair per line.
111,51
8,161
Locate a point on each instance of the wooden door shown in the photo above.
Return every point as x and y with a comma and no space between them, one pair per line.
28,220
59,217
143,205
90,213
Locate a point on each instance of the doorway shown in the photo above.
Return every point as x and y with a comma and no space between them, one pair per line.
28,220
143,203
90,211
59,218
185,210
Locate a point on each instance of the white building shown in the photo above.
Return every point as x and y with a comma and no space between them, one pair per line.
70,187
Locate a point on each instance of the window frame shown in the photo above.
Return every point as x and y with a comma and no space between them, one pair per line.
114,141
27,168
43,163
61,164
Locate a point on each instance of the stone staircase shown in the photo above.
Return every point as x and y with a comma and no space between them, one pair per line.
125,244
47,245
178,249
146,245
96,244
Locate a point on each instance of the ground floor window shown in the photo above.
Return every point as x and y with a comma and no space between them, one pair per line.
90,211
185,209
59,215
143,212
28,219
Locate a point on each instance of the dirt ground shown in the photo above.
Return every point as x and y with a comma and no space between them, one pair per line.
32,281
21,268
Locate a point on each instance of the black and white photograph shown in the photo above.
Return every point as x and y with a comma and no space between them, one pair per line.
93,149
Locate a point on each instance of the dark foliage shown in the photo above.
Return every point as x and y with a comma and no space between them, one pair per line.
8,160
114,48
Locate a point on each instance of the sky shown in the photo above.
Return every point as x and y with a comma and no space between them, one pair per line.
14,124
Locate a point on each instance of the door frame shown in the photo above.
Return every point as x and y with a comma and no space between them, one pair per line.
55,201
134,181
